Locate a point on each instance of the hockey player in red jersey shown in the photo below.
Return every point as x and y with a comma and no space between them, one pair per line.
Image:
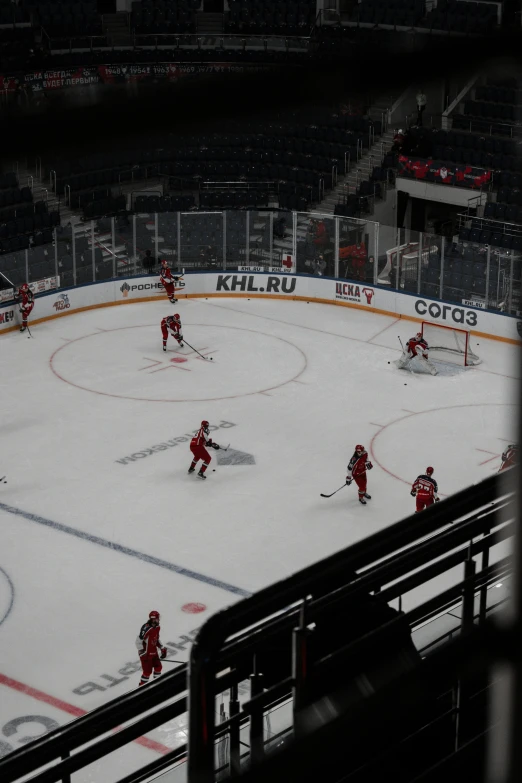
416,347
425,489
148,643
26,297
509,458
198,446
172,324
357,468
169,280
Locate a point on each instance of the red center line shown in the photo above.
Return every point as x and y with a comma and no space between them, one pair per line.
78,712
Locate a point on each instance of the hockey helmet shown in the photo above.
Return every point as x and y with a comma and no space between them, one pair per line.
418,336
176,317
429,471
205,425
24,287
359,449
154,615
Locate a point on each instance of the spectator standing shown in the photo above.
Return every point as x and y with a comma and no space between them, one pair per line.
279,227
148,262
421,106
319,265
398,141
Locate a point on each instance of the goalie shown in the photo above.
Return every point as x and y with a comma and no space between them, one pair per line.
416,348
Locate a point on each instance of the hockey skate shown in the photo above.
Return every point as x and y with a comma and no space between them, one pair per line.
367,496
201,475
164,347
191,470
23,328
363,501
173,300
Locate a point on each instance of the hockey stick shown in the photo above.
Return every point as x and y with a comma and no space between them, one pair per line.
196,350
169,660
333,493
402,346
1,479
29,335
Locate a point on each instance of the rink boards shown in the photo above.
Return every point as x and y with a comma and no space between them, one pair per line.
377,299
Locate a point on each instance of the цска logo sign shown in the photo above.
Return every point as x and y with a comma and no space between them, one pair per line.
446,312
349,292
274,285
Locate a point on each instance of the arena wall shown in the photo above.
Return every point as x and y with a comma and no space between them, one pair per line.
343,293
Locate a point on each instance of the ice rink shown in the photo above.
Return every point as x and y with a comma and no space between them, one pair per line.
101,522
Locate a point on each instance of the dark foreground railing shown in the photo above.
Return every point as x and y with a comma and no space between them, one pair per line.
323,659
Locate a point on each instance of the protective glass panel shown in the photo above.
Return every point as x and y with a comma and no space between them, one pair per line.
282,240
236,239
41,262
167,243
84,243
124,253
145,248
64,252
259,239
430,265
391,243
356,249
315,244
464,278
12,265
499,279
516,288
201,240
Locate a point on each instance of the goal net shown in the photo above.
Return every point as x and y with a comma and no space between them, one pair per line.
449,344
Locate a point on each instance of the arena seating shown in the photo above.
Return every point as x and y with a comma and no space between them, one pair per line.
407,13
275,17
462,17
164,16
301,155
65,18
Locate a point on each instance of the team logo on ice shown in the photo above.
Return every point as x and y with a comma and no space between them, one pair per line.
125,288
62,303
350,292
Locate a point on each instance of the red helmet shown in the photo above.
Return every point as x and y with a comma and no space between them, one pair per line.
429,471
359,449
418,336
205,424
24,287
164,262
154,615
176,317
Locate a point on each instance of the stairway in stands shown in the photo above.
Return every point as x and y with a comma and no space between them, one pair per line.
362,169
209,24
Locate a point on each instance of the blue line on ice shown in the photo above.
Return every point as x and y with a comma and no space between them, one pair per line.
124,550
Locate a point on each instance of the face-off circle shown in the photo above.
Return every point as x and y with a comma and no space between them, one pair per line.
129,363
471,443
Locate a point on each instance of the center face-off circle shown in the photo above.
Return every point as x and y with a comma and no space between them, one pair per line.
129,363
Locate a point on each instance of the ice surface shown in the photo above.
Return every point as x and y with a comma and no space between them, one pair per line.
99,527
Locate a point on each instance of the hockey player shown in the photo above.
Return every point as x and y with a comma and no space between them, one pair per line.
416,347
26,297
148,643
171,323
198,446
425,489
357,468
168,280
509,458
